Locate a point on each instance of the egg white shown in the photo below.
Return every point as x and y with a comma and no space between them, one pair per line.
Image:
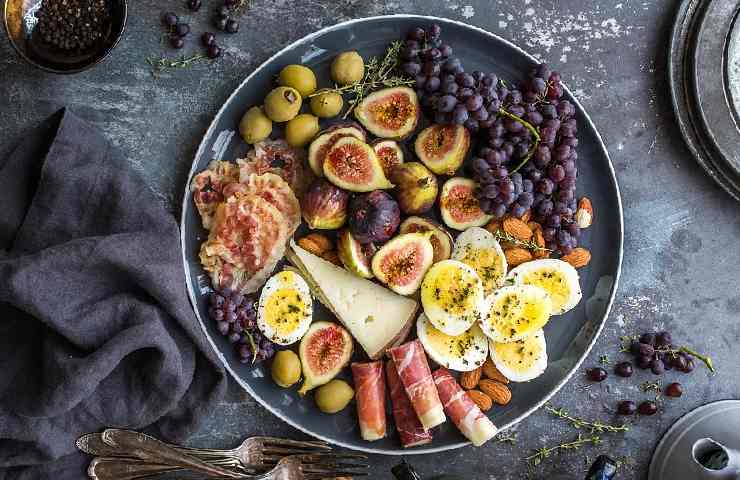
515,312
478,248
463,352
452,296
285,308
523,360
556,277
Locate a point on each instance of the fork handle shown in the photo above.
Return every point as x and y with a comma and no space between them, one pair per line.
110,468
152,450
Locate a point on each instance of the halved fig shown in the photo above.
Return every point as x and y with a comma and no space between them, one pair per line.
320,146
354,255
352,164
458,205
441,238
442,148
390,113
402,263
389,153
325,350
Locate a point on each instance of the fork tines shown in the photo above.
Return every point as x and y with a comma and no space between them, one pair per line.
284,442
329,465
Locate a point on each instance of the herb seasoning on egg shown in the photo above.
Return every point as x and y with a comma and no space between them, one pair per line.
73,26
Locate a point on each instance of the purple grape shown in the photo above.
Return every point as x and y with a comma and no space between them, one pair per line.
460,114
446,103
411,69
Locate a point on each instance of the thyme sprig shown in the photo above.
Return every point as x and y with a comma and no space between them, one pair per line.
656,387
502,236
544,452
604,359
590,425
158,65
509,438
531,128
378,74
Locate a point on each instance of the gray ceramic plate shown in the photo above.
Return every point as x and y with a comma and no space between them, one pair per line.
569,337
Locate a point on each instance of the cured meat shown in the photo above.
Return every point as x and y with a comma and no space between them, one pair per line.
463,411
208,188
247,239
370,388
413,370
276,156
409,428
277,191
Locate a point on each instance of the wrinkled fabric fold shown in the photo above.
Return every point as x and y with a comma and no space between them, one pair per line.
96,329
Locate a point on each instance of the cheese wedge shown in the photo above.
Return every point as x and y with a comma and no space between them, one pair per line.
376,317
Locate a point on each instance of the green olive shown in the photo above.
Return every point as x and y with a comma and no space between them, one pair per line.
286,368
301,130
282,104
299,77
255,126
334,396
327,104
347,68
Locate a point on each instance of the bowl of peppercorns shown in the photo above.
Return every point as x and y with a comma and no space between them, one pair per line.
64,36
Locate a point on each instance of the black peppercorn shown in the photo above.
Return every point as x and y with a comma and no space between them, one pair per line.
74,26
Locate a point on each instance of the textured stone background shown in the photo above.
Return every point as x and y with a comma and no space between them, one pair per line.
682,232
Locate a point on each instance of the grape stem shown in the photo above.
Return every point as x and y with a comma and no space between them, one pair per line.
529,127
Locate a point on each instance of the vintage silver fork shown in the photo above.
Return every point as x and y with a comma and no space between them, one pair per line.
296,467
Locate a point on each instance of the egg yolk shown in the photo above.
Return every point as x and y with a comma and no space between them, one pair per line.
449,345
284,311
551,282
487,264
519,356
512,315
454,290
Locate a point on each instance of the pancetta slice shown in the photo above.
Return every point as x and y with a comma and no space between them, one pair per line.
208,188
409,428
463,411
370,395
277,191
276,156
413,370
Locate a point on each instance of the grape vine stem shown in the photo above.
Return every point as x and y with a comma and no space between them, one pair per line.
529,127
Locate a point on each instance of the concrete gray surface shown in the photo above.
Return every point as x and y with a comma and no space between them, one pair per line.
682,232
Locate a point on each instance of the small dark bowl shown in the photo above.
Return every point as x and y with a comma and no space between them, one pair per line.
20,22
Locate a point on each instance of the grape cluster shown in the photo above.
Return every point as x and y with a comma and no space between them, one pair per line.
526,156
236,318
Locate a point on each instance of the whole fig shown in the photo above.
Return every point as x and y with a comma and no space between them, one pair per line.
416,187
325,205
373,217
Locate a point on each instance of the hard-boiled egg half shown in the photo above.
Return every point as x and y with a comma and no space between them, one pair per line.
515,312
285,308
556,277
523,360
478,248
452,296
463,352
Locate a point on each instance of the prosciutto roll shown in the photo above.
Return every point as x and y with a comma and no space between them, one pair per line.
416,377
409,427
370,395
463,411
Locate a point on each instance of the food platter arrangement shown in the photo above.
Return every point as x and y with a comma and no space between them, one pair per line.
389,244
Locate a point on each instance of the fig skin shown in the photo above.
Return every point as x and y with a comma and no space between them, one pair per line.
390,113
416,187
321,145
389,153
325,205
441,238
352,164
324,351
402,263
355,256
459,207
373,217
442,148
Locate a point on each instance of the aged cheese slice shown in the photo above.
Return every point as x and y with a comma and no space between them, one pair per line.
376,317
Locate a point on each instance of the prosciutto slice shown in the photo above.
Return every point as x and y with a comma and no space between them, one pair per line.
370,395
410,430
277,191
463,411
413,370
209,187
276,156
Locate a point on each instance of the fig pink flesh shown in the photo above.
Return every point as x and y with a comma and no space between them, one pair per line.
392,111
461,204
325,346
402,266
350,162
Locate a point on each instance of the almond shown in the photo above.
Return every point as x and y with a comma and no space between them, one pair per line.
578,257
483,401
316,243
539,238
490,371
470,379
584,213
333,257
498,392
516,256
527,216
493,226
517,228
